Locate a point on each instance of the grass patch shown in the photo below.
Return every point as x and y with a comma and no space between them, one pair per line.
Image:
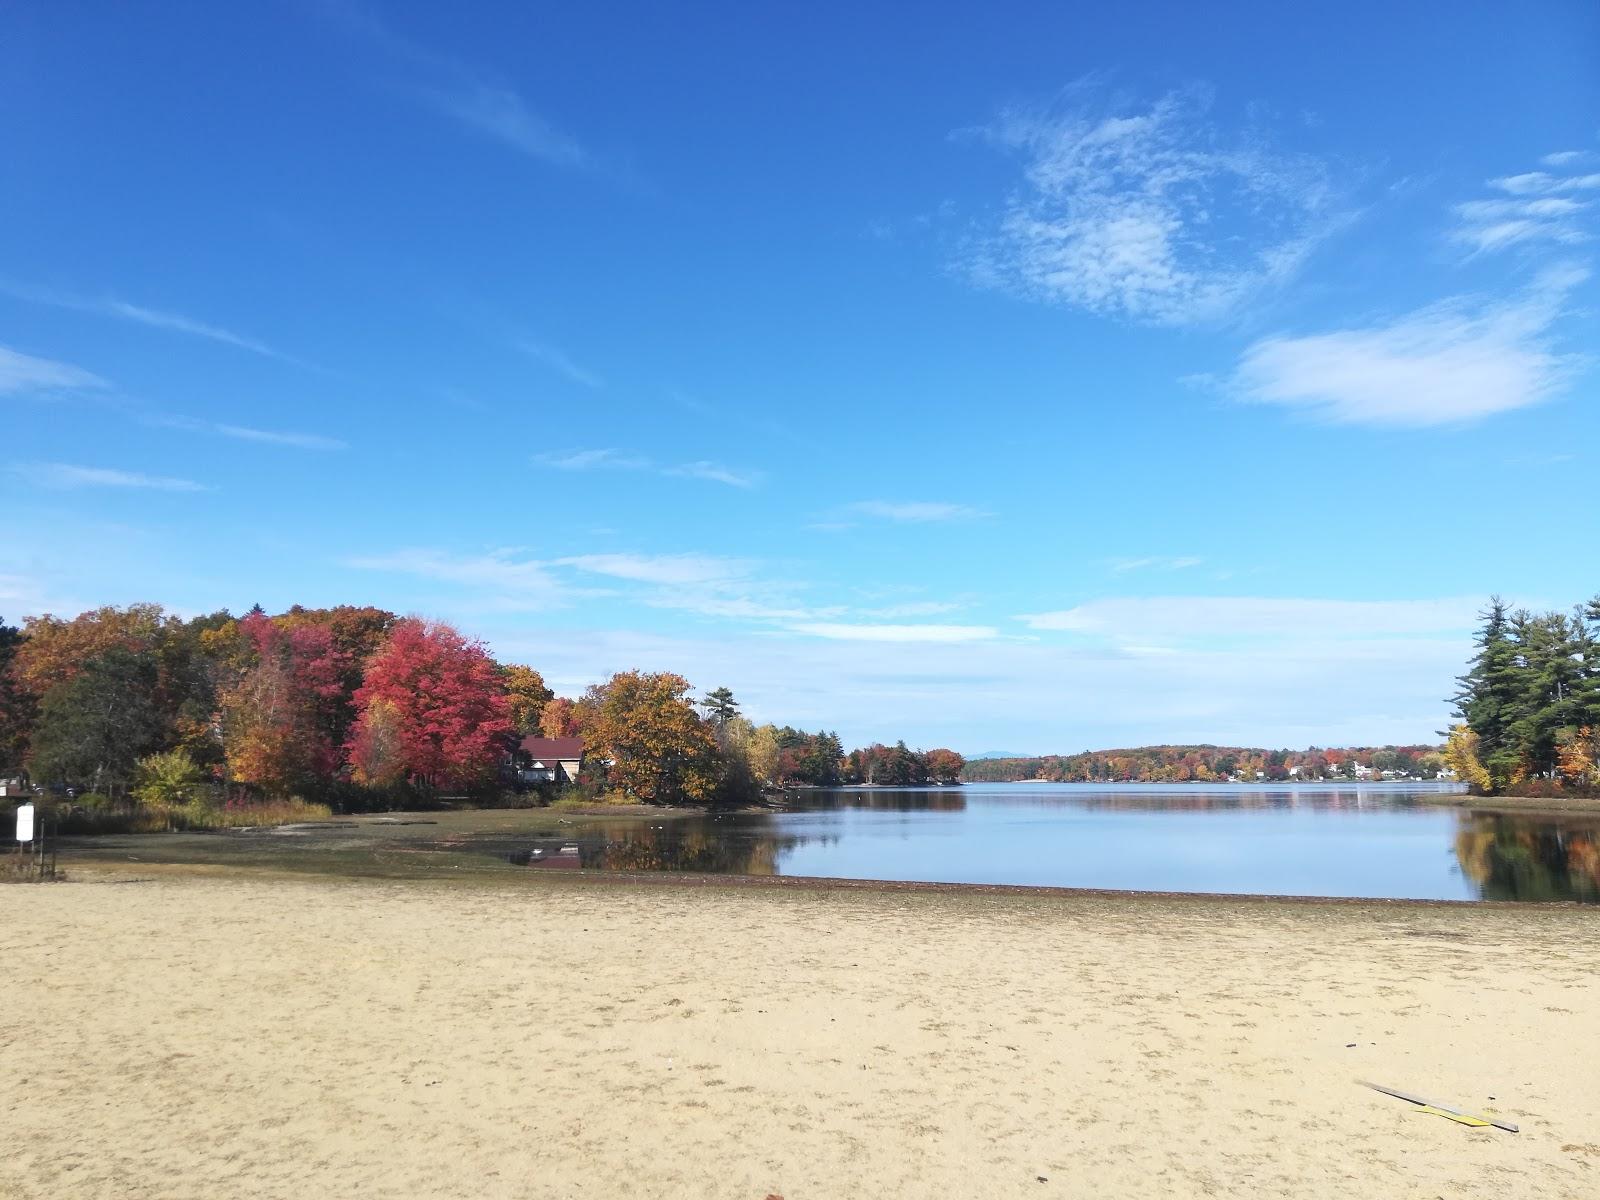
248,816
148,818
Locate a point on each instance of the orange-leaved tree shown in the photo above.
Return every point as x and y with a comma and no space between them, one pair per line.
661,750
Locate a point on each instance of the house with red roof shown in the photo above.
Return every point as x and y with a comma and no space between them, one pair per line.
549,760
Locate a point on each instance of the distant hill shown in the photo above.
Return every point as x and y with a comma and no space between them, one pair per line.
1202,764
988,754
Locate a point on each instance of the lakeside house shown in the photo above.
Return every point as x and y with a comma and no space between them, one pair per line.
549,760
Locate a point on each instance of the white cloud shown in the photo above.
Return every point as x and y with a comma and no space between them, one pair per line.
23,373
519,583
560,363
670,569
715,473
110,306
1454,362
1538,212
912,608
1565,158
1122,566
468,94
837,631
914,511
625,460
589,460
303,441
244,433
1048,694
1495,224
1150,215
1154,620
740,608
181,324
67,475
1542,183
501,113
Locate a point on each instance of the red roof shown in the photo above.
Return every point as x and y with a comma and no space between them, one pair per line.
552,748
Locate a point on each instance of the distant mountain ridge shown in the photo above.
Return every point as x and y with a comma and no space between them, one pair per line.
991,754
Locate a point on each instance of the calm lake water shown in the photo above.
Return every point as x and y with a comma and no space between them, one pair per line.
1370,841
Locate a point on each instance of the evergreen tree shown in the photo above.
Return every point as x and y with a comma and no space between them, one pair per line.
720,706
1488,699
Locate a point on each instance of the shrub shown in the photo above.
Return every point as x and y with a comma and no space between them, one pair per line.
169,780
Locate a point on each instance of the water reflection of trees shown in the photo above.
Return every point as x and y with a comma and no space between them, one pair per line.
1514,858
1189,799
714,847
882,799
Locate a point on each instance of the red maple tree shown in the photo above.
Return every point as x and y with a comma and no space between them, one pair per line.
432,708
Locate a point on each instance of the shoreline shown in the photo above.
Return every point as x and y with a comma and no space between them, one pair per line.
102,871
1525,805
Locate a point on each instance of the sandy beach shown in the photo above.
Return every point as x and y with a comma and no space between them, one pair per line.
183,1034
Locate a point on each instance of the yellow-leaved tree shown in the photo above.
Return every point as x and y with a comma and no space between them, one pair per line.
661,750
1461,756
526,696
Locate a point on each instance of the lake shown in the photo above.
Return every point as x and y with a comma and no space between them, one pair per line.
1381,841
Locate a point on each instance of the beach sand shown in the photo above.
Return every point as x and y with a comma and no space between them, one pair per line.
178,1034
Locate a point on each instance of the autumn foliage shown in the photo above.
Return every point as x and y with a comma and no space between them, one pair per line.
355,707
432,709
660,748
279,708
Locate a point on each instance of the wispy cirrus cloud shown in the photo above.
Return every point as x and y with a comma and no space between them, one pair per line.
64,476
1122,566
708,586
1535,207
874,632
21,374
1455,362
500,112
912,608
1149,213
714,472
610,458
122,310
1496,224
1567,158
915,512
1543,183
245,433
473,96
561,363
670,569
518,581
1180,619
598,458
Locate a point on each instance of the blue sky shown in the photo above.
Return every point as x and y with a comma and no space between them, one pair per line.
1034,377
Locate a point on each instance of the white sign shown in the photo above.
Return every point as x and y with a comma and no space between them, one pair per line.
24,822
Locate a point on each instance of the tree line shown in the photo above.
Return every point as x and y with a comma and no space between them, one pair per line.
1213,764
1528,706
357,708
